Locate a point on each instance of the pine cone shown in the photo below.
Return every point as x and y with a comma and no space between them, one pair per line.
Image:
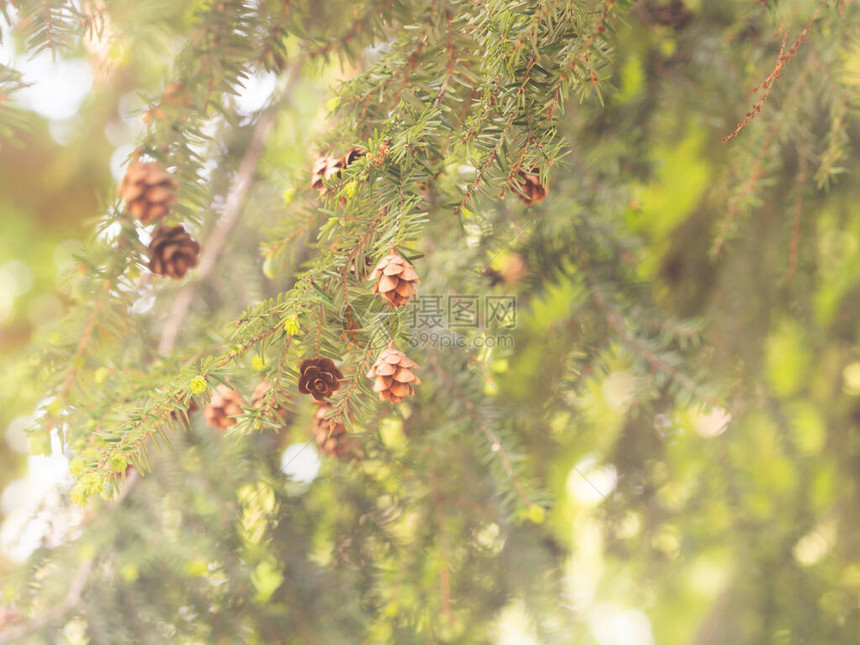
393,376
327,167
319,378
148,191
258,397
224,405
172,252
395,279
332,438
352,154
324,169
529,188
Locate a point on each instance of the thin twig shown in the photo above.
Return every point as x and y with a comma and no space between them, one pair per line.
217,240
492,437
232,210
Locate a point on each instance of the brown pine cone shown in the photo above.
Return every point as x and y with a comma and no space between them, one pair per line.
325,168
148,191
393,376
352,154
319,377
224,405
332,438
528,187
261,392
172,252
395,279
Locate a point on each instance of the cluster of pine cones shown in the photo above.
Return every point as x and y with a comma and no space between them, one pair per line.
149,191
330,437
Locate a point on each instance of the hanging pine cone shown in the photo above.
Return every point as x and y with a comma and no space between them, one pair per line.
352,154
528,187
319,377
258,397
224,405
325,168
332,438
393,376
395,279
148,191
172,252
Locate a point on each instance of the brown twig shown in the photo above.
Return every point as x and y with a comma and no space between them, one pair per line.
232,209
782,59
217,240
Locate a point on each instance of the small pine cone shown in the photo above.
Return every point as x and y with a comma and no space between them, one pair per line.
393,376
319,378
324,169
148,191
224,405
261,392
395,279
352,154
154,114
172,252
332,438
327,167
529,188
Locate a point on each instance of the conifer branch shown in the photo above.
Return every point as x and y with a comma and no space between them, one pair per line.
493,439
658,364
782,59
